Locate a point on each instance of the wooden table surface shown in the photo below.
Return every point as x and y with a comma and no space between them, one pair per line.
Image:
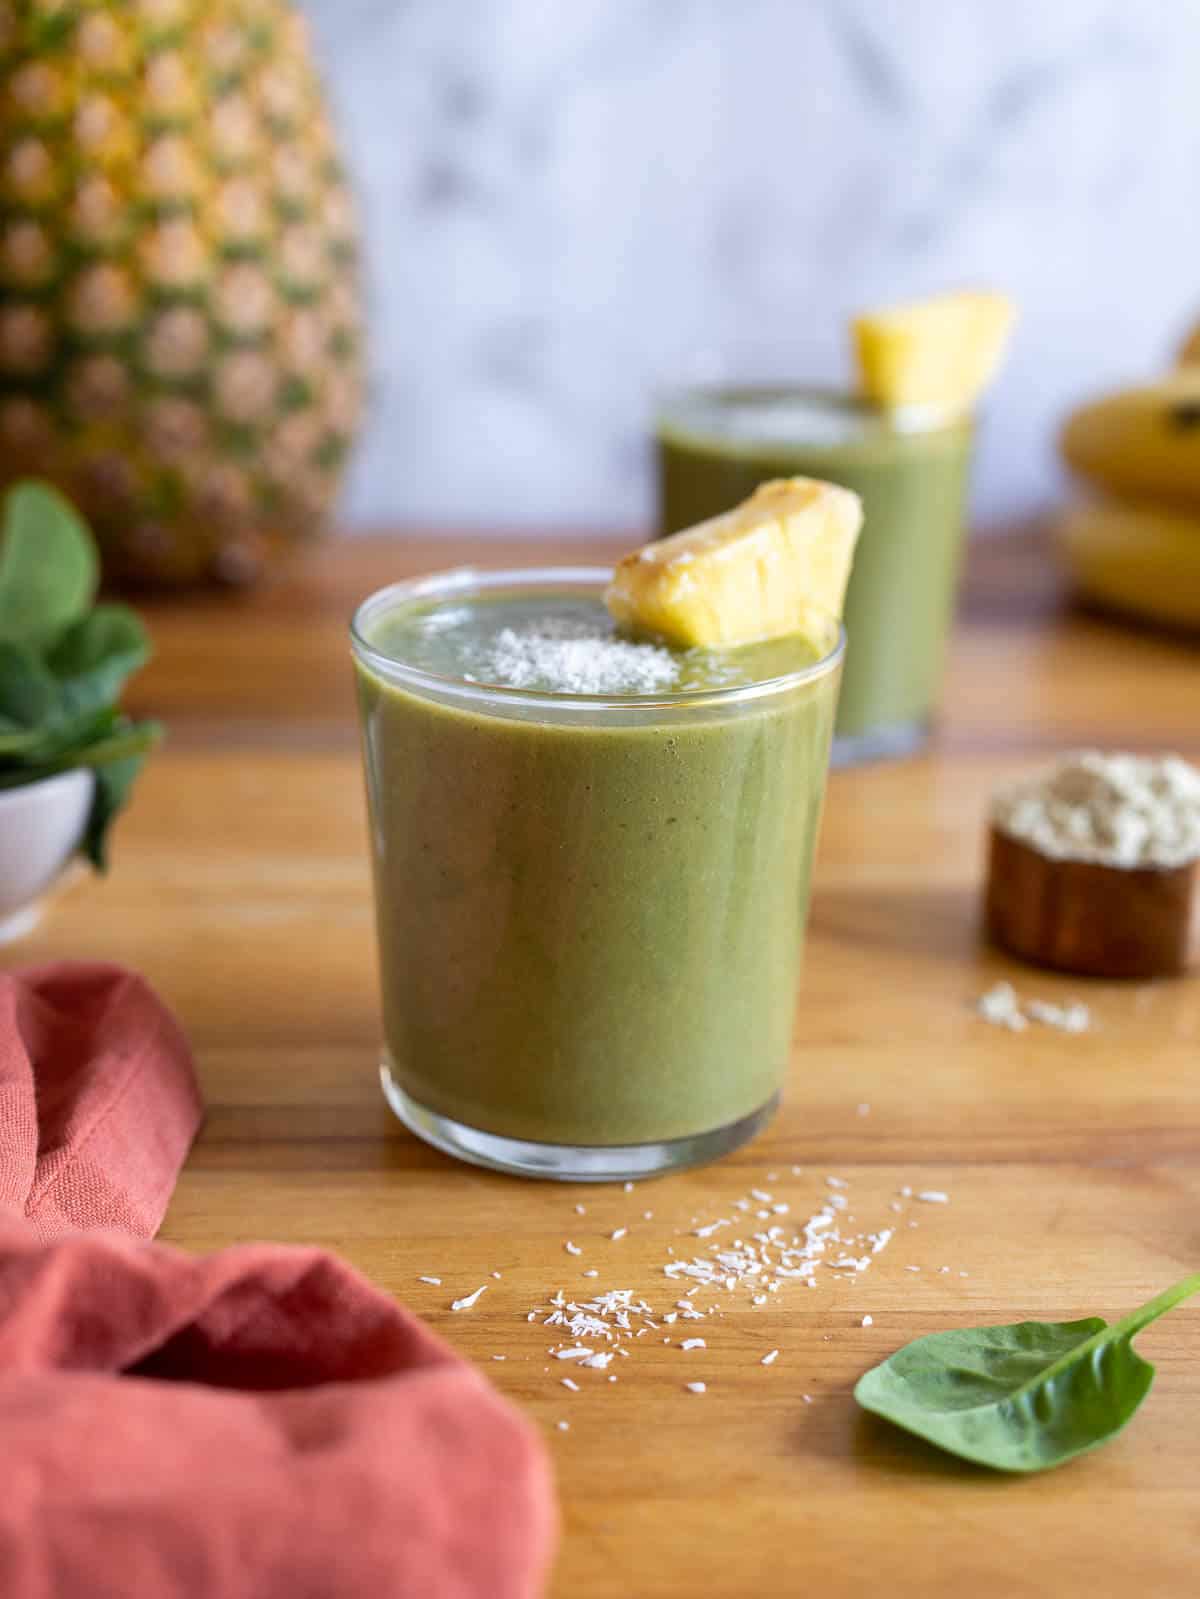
1071,1162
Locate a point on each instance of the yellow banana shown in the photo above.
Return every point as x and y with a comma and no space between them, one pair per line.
1142,442
1189,353
1142,559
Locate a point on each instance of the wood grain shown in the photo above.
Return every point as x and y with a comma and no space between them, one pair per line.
1072,1163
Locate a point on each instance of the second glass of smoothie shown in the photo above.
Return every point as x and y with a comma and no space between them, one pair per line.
717,443
592,863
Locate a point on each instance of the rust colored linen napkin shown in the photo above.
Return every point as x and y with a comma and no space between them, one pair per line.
260,1423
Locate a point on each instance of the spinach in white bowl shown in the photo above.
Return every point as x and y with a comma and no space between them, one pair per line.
64,661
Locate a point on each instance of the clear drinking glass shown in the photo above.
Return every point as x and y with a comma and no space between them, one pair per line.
590,909
716,442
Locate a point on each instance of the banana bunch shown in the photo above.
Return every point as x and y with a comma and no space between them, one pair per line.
1135,545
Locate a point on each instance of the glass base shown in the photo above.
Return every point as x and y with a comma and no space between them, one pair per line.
568,1163
879,743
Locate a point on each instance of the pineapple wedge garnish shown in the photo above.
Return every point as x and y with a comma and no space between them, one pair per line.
776,564
937,355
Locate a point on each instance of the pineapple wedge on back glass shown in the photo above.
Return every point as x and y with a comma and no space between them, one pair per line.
179,308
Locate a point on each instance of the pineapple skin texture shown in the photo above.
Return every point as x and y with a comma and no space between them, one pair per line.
776,564
180,325
937,354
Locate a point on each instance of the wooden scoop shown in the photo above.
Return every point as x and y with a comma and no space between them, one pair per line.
1080,916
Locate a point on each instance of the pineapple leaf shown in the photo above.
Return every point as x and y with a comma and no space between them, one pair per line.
48,566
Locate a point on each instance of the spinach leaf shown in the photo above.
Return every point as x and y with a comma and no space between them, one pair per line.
95,655
29,697
1022,1397
119,739
114,779
48,565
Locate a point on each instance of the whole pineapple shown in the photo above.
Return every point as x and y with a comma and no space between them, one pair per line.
179,312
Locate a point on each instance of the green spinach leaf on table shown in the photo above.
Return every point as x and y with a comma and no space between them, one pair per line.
1021,1397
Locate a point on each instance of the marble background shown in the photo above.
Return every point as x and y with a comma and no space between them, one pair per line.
567,201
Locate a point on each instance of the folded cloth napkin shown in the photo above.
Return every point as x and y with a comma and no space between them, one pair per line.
260,1423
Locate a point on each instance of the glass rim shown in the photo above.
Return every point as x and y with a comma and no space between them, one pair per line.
469,579
669,400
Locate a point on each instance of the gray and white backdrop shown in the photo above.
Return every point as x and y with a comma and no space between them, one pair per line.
567,201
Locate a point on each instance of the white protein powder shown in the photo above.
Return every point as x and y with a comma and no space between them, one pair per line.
1114,809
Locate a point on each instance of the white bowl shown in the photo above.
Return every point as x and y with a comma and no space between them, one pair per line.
41,826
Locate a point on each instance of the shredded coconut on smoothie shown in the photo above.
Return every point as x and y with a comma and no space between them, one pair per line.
571,657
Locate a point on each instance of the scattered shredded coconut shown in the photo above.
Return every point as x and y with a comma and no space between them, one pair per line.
580,1211
1073,1018
567,1382
499,1357
769,1358
711,1228
1002,1006
572,1249
781,1249
436,1281
563,1426
618,1234
934,1196
697,1388
1115,809
628,1188
465,1304
868,1321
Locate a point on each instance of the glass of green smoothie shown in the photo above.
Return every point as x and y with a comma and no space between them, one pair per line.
716,442
591,863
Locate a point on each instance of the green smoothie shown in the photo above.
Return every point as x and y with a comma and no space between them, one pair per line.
715,445
591,865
